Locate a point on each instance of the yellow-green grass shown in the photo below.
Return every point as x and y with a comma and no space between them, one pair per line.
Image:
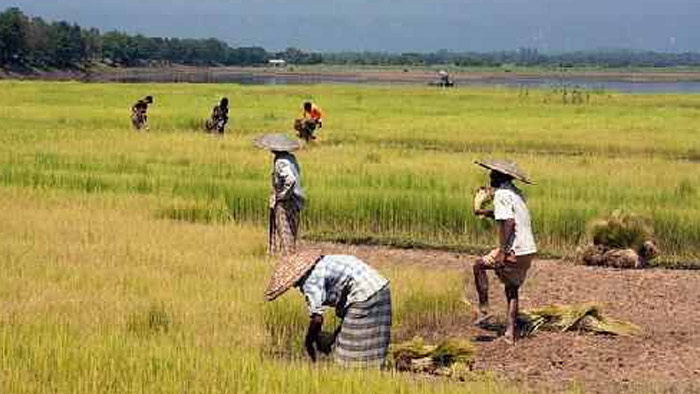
394,163
102,291
98,296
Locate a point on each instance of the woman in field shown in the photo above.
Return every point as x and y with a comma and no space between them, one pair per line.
287,198
359,294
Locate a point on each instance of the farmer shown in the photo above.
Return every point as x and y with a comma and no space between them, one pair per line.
219,117
287,198
512,259
359,294
139,116
312,118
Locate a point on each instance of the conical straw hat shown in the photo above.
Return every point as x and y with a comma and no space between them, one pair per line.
289,270
277,142
507,167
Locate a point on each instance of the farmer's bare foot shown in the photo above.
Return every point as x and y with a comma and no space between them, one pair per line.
509,338
484,317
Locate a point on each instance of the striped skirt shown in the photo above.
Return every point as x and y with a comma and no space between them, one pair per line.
287,219
365,332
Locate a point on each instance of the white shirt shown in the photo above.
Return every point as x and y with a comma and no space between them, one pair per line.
508,203
286,178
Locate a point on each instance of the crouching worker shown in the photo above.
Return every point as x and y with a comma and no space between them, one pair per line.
512,259
219,117
359,294
312,119
139,113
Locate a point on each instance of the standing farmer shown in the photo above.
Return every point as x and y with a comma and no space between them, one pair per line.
287,198
139,113
359,294
512,259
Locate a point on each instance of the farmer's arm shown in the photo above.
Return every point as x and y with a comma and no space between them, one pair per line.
315,325
504,213
484,212
506,234
285,179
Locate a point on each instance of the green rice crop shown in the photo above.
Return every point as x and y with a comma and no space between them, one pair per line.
394,164
134,262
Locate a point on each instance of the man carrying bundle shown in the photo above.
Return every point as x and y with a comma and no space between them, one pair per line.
139,113
359,294
312,118
219,117
512,259
287,198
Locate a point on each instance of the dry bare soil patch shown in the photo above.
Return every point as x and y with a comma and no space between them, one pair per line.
664,358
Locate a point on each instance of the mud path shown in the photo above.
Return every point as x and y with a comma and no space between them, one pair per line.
665,303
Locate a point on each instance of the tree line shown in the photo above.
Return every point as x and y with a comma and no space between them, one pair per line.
31,42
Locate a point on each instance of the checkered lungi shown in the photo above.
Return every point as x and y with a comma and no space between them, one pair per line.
138,119
287,219
365,332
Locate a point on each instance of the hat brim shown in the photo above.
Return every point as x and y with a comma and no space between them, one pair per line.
502,170
276,143
288,272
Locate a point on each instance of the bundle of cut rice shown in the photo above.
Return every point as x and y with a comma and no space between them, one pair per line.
583,317
622,240
451,357
482,197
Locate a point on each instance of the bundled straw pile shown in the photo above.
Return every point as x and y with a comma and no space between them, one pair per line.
583,317
622,240
451,357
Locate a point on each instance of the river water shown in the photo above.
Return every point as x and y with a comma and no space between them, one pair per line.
544,82
518,83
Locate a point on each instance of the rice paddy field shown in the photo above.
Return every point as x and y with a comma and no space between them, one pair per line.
135,262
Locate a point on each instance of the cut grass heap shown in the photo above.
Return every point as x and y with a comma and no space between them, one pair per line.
622,240
584,317
451,357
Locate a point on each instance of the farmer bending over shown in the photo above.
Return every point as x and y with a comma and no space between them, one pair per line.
512,259
139,113
312,118
219,117
359,294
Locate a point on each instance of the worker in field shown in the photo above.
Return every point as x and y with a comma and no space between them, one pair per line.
287,198
139,113
516,250
444,79
359,294
312,119
219,117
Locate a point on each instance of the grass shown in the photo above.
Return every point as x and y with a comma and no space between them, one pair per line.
388,170
134,262
98,296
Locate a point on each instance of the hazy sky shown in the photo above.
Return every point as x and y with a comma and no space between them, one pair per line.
396,25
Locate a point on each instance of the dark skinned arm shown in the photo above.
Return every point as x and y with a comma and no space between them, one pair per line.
506,233
315,325
488,213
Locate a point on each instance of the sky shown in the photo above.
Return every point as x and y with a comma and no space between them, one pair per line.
396,25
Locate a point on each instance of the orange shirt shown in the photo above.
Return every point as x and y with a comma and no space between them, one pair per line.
315,112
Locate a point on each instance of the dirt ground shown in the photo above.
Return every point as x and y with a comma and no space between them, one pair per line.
665,358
